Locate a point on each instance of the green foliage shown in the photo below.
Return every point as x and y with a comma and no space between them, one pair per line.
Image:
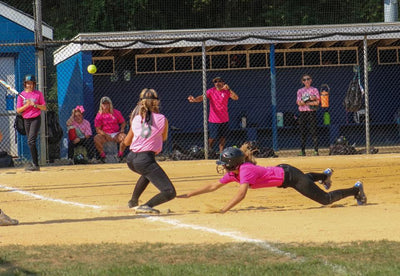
70,17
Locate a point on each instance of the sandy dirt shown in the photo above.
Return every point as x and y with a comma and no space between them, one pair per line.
46,204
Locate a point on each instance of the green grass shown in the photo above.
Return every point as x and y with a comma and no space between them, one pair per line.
363,258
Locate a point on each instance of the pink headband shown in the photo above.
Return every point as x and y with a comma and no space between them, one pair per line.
80,108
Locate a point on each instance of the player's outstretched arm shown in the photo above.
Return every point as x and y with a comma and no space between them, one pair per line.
240,195
206,189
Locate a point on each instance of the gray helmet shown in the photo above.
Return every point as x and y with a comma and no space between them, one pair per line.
29,78
231,158
341,141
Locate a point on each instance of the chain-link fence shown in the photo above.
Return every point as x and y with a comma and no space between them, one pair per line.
263,66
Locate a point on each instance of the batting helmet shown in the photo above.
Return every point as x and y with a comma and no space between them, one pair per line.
341,141
231,158
29,78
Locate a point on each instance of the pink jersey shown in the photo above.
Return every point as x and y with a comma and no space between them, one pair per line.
218,105
84,127
35,96
312,91
108,122
148,138
256,176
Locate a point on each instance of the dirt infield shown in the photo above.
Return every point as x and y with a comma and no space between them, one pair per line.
47,205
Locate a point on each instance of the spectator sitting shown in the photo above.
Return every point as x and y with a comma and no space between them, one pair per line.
110,126
79,133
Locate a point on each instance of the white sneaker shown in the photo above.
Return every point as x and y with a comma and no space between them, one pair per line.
144,209
328,182
360,197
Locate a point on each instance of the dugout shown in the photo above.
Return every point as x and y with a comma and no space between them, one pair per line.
15,63
172,63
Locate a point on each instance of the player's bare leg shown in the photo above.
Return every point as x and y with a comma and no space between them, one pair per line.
222,142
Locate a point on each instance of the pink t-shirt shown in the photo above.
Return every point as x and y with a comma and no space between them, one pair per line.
256,176
145,137
84,127
35,96
108,122
218,105
312,91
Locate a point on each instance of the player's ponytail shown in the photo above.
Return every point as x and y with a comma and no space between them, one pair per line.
249,148
148,103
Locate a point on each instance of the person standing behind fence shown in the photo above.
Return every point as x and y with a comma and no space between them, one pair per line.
110,126
218,118
31,108
148,130
79,133
308,100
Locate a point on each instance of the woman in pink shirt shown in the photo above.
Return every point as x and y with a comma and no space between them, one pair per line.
30,106
218,119
148,130
79,132
110,126
241,167
308,100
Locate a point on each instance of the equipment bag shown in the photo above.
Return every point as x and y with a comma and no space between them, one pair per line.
354,96
353,100
19,124
54,130
6,160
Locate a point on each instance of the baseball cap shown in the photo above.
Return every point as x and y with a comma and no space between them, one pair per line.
29,78
105,99
217,78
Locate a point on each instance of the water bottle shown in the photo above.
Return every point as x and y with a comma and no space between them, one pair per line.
9,102
327,118
243,121
279,119
64,148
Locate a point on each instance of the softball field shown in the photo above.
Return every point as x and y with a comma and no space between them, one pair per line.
88,204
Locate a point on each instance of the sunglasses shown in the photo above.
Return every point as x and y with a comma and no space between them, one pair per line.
306,79
216,81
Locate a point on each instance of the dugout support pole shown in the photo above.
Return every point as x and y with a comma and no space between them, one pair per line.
40,76
273,97
205,120
366,99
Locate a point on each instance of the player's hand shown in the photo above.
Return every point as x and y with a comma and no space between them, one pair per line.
191,99
226,87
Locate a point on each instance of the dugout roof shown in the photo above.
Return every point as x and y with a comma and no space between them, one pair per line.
184,41
23,19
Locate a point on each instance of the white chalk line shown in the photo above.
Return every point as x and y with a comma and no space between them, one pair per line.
336,268
19,191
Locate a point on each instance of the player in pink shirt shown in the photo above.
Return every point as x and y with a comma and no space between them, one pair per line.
308,100
31,106
79,133
240,167
218,118
110,126
149,129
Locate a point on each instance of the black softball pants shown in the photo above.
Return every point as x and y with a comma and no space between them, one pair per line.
304,184
308,123
32,127
144,163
